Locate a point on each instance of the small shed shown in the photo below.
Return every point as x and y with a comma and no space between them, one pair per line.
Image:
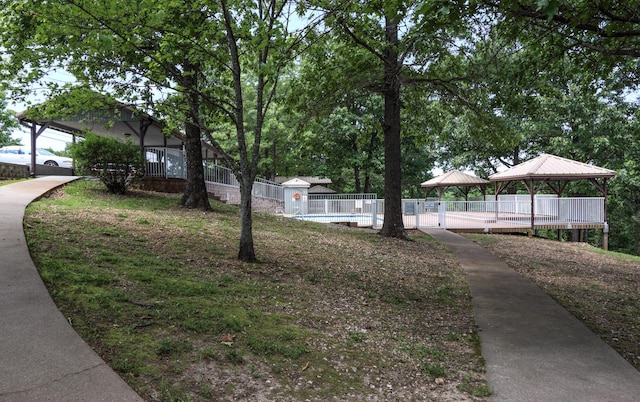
455,178
296,197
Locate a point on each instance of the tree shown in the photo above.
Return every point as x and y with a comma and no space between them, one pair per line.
398,44
8,122
186,61
348,141
119,48
606,27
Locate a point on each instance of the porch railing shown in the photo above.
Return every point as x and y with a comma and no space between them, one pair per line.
171,163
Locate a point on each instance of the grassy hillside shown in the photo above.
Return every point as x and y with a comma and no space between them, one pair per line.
329,313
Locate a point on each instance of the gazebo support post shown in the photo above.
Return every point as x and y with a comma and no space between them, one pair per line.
532,190
605,231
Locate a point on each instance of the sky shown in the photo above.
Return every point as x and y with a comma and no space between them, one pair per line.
49,139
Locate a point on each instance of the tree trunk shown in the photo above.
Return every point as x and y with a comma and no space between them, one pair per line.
246,251
356,176
195,195
393,225
369,161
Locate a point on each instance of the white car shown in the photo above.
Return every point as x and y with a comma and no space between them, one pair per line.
22,156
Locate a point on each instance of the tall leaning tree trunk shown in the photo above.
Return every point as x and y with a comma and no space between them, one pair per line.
196,195
246,251
393,225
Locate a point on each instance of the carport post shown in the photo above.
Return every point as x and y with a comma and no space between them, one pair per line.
34,137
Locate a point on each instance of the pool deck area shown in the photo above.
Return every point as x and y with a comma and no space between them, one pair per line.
460,222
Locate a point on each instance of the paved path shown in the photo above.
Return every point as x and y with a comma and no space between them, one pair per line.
534,349
41,356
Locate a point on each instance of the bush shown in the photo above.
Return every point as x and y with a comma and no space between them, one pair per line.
116,163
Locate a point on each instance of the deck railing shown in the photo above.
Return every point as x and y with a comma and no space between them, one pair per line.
504,213
508,211
165,162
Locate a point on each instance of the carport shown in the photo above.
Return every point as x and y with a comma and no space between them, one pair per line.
107,118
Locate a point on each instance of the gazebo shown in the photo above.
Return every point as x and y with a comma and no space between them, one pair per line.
455,178
555,173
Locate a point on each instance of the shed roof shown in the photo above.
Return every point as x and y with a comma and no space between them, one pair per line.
313,180
551,167
454,178
296,183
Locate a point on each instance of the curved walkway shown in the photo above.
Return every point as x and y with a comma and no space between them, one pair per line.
534,349
41,356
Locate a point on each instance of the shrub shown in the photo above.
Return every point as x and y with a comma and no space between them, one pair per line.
116,163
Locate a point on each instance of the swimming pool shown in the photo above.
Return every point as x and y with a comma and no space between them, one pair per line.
361,220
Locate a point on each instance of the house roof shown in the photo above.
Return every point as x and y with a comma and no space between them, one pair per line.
317,189
104,116
313,180
551,167
109,118
454,178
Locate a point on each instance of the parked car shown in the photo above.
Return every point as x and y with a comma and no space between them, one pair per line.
22,156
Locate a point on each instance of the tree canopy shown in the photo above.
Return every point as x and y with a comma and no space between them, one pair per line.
372,94
8,122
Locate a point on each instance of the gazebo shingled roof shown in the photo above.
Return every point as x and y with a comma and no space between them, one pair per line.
551,167
454,178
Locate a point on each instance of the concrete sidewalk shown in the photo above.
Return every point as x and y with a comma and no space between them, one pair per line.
534,349
41,356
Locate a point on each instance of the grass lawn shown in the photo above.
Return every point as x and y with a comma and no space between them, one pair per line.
6,182
328,313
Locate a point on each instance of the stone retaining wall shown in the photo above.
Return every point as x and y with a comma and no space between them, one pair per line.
12,171
44,170
162,184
